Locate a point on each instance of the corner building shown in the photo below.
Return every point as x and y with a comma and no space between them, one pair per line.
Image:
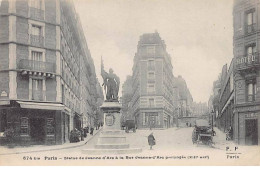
152,100
42,52
246,43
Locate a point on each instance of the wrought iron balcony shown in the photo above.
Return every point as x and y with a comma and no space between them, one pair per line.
248,61
36,13
37,40
39,95
38,66
250,97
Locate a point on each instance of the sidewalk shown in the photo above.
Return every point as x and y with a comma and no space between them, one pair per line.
39,148
220,140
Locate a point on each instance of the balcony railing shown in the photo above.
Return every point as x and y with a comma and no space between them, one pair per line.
38,66
37,40
248,61
251,28
250,97
36,13
38,95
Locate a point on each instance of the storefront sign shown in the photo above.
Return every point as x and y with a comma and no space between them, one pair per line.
247,109
251,115
247,59
109,119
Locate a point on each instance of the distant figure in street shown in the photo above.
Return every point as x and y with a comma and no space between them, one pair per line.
151,141
91,130
87,129
81,134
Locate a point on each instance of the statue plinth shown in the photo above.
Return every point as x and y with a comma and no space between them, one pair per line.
112,115
112,139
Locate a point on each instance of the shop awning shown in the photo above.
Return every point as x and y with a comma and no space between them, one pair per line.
43,106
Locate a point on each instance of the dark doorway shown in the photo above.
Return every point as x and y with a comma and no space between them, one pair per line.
37,130
251,132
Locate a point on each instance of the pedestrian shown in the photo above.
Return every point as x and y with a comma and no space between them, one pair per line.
81,134
87,129
91,130
151,141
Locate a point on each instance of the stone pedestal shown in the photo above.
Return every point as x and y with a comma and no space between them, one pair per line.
112,139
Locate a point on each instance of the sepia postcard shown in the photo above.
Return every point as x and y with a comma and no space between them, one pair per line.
129,82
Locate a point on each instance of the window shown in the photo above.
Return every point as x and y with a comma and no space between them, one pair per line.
36,4
150,49
150,75
240,17
150,88
36,30
151,102
251,91
251,49
37,89
250,53
150,63
251,20
36,58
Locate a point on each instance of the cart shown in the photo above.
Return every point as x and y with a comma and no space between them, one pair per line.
202,133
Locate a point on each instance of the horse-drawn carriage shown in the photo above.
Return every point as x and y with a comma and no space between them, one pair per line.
130,125
202,133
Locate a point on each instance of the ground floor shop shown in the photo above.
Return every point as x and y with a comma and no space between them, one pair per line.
154,119
36,123
246,125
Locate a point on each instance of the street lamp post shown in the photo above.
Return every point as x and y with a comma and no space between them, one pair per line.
212,116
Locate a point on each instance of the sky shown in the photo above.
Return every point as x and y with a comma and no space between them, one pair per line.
198,35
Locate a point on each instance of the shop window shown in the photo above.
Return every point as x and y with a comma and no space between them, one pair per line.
50,126
24,126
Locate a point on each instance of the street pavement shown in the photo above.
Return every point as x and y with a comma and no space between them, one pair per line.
5,150
172,145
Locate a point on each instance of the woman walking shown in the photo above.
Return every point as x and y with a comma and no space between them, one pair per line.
151,141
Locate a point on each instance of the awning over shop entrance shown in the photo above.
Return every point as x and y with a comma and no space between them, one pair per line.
42,106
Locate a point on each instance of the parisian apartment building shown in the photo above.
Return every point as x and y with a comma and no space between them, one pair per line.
48,84
157,99
225,115
246,43
237,104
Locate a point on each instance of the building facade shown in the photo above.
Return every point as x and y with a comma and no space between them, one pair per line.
46,71
225,115
152,83
246,42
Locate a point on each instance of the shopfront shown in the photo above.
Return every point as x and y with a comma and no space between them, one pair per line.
35,123
247,125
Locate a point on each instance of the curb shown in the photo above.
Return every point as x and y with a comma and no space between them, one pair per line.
52,149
